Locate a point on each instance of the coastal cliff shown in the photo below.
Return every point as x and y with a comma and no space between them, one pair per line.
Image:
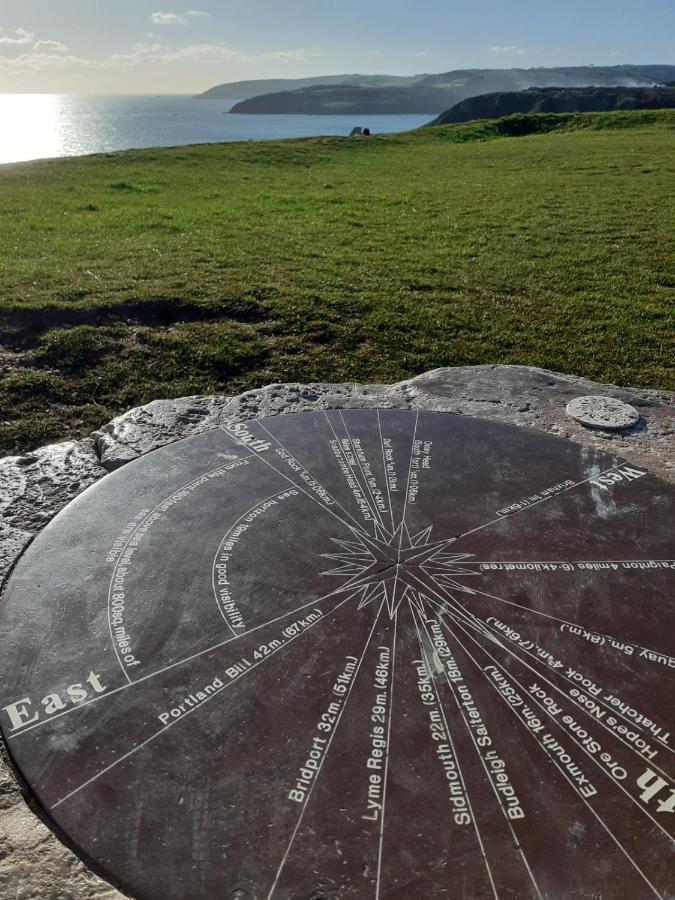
433,94
558,100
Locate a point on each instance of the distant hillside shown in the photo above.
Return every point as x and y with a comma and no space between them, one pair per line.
558,100
346,100
243,90
436,93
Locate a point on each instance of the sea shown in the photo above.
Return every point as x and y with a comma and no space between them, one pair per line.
39,126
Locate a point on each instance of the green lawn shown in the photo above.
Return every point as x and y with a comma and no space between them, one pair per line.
213,269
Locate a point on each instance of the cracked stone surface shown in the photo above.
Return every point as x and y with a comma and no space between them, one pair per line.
33,488
515,394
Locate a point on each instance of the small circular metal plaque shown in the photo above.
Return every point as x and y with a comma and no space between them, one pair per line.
354,654
603,412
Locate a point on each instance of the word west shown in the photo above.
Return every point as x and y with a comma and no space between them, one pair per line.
20,714
609,479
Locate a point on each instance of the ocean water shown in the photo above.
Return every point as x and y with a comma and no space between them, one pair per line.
38,126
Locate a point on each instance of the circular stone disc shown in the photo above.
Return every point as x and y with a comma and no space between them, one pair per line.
355,654
607,413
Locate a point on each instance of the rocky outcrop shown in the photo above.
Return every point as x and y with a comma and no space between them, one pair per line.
557,100
33,488
514,394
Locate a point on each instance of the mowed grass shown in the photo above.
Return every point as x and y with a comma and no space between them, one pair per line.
214,269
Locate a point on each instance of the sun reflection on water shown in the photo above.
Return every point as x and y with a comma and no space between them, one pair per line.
39,126
31,125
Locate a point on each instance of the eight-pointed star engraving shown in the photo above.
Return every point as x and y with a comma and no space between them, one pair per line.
391,566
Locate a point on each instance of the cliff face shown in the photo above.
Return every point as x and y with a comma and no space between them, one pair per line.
557,100
436,93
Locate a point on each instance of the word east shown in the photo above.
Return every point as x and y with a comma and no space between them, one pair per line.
23,713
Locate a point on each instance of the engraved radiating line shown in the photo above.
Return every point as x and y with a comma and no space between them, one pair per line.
180,662
443,609
474,821
538,612
323,759
485,768
443,597
358,460
463,615
128,540
481,626
218,551
407,486
553,718
385,474
611,709
403,525
357,523
311,496
194,709
537,502
557,764
566,562
384,469
386,762
509,649
337,440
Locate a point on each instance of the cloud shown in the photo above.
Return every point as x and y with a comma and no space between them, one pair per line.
165,18
50,47
21,36
287,56
42,62
169,18
421,53
511,48
149,55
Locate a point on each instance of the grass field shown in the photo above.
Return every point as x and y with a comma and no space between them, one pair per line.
213,269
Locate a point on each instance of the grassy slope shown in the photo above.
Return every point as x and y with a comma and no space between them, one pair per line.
213,269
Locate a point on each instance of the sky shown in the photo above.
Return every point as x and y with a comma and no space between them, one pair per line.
135,46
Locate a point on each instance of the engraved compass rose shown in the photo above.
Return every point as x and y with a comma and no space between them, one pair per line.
396,566
391,727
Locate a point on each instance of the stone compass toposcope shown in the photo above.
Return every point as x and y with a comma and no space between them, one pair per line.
354,654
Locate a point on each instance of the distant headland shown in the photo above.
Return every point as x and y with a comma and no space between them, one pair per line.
245,90
432,94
